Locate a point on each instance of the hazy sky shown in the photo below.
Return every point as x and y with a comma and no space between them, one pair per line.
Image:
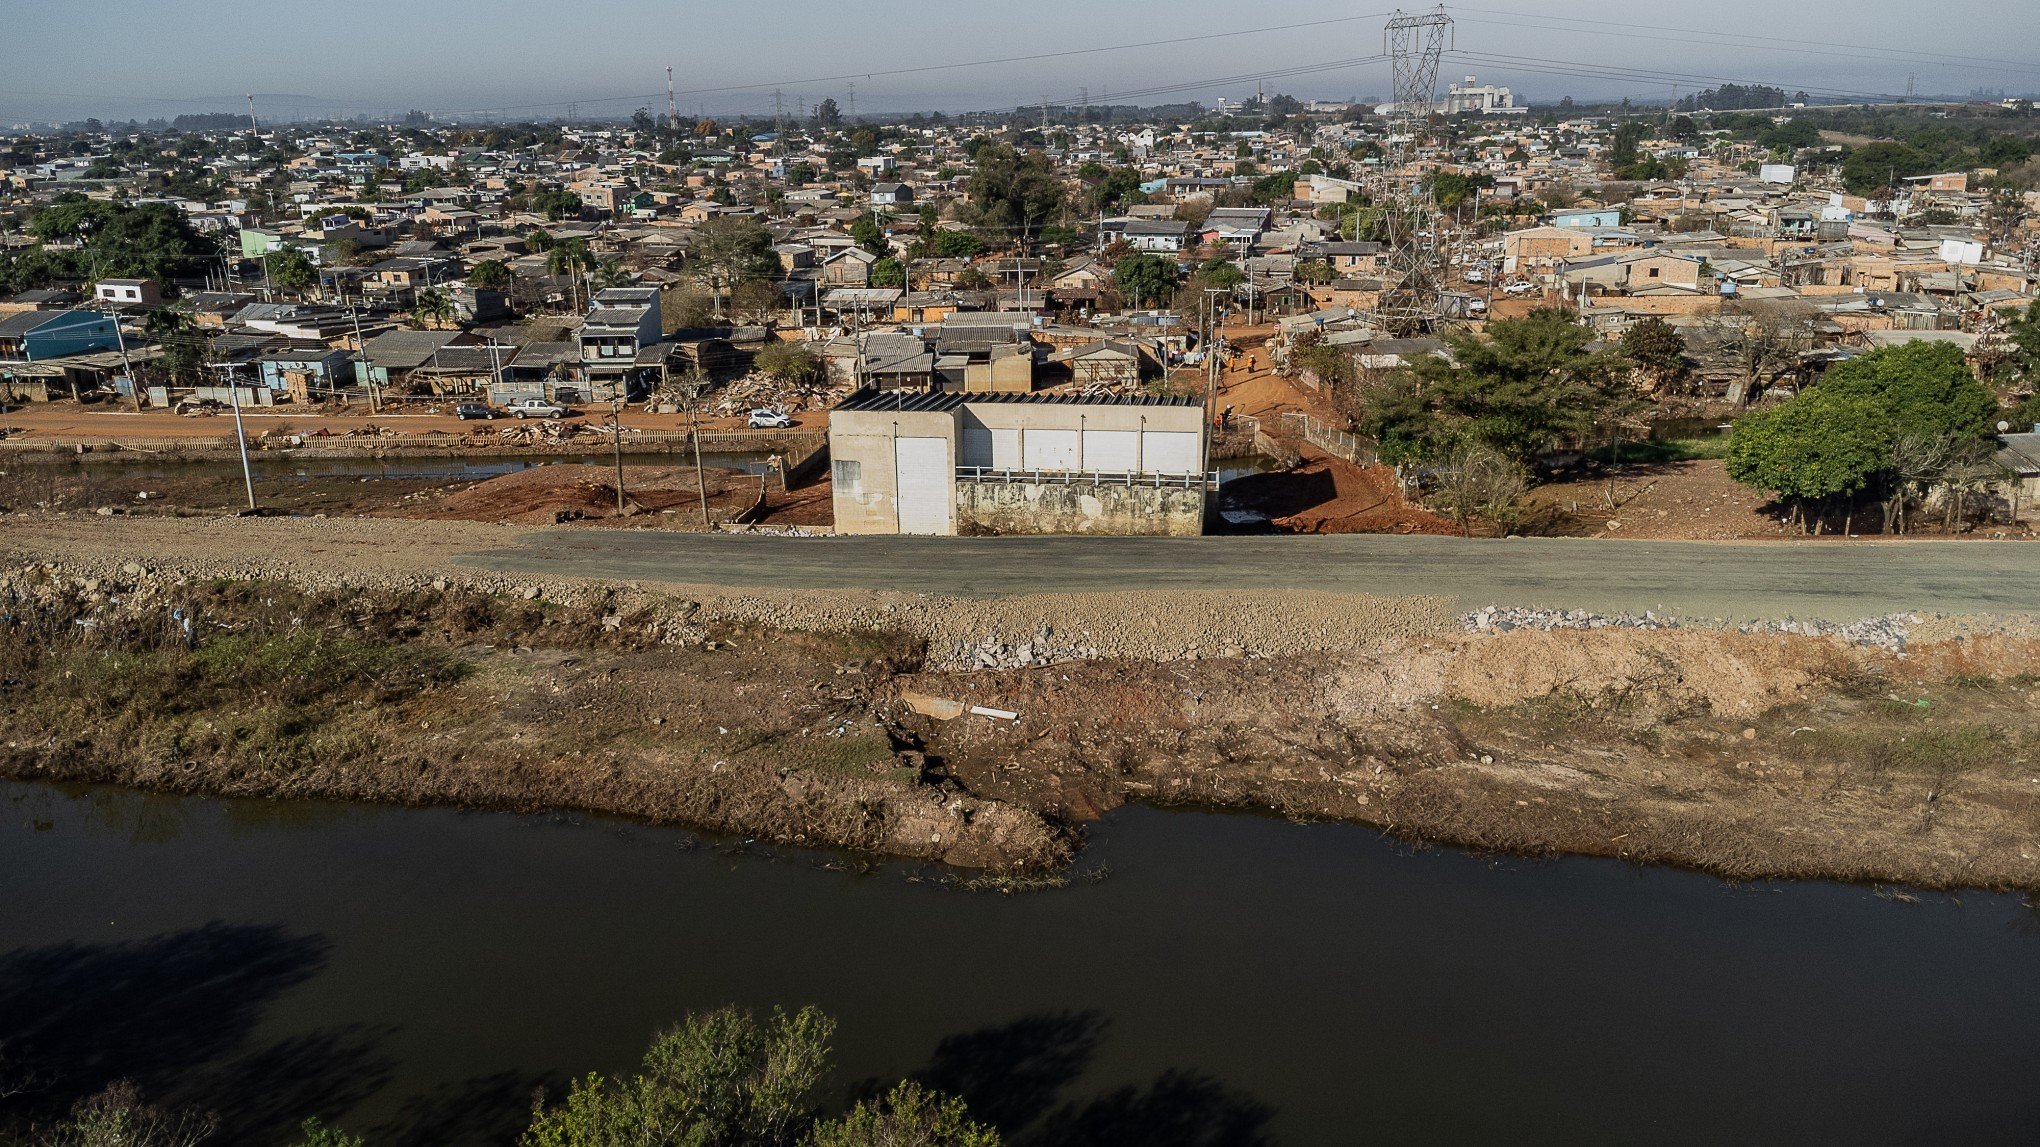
66,59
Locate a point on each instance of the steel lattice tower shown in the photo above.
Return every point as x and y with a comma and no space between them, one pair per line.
1415,45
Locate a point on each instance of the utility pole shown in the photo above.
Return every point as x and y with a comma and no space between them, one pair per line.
241,437
134,384
616,426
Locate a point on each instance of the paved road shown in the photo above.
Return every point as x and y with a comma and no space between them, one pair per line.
1837,581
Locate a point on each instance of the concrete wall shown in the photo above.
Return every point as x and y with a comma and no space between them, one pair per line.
1078,508
861,441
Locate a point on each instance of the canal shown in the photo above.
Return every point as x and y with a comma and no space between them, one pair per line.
1204,979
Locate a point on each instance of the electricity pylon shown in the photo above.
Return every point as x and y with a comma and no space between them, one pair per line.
1409,305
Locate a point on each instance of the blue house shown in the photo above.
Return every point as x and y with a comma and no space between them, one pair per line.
1587,220
34,336
317,369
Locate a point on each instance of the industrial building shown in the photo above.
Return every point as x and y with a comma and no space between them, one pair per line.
949,464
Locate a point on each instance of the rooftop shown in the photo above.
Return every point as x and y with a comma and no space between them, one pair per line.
878,400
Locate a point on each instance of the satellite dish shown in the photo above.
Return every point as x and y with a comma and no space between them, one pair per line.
2003,426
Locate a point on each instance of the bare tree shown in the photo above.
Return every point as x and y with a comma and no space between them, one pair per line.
1916,461
687,389
117,1117
1476,482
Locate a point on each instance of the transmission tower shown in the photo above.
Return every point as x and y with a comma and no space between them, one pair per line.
672,109
1415,46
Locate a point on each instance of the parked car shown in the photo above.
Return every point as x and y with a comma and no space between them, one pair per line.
536,408
471,410
1519,287
770,420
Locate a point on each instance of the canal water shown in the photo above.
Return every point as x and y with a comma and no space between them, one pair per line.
1207,979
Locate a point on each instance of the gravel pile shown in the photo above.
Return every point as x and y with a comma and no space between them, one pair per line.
1890,631
1042,649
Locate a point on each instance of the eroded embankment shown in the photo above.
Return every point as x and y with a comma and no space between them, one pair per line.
811,720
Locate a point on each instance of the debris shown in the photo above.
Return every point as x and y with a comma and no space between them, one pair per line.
940,708
996,714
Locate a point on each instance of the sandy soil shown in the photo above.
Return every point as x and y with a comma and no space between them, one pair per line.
1328,495
1675,500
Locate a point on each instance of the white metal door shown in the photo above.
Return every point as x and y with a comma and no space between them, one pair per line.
921,471
1112,451
1171,452
1051,449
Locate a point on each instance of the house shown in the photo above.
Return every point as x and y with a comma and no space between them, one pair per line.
974,464
35,336
620,333
389,360
1166,236
2019,453
1111,363
305,370
128,293
891,195
849,267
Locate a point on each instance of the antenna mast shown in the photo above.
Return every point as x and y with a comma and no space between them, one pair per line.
252,125
672,109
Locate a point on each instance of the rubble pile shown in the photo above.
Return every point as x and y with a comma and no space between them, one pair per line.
760,391
996,653
1890,631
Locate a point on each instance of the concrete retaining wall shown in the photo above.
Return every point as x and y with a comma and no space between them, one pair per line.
1000,507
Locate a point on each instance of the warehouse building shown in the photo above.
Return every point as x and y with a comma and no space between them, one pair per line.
978,464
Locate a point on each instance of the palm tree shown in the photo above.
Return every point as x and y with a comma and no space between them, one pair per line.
569,257
612,274
432,308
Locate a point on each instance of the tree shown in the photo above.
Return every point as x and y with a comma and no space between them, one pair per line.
1316,272
1894,419
1476,482
489,274
1656,349
1012,193
641,122
186,348
568,258
827,115
723,1079
313,1133
117,1117
731,251
1525,386
908,1116
290,269
1876,166
557,203
1145,277
957,244
793,365
1821,445
870,236
888,272
432,309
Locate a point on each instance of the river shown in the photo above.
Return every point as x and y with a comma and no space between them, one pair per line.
1208,979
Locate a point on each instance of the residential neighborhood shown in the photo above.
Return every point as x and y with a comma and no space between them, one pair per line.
822,575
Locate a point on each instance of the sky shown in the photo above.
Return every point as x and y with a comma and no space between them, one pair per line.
540,59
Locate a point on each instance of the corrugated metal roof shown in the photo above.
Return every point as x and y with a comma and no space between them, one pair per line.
932,402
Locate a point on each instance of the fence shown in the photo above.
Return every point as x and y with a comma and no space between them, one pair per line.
1088,477
1341,443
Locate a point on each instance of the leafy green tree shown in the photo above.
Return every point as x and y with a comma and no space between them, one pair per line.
888,272
870,236
908,1116
1922,388
723,1079
1875,166
1057,235
958,244
1525,386
490,274
1145,278
1656,349
152,240
557,203
1821,445
290,269
1012,193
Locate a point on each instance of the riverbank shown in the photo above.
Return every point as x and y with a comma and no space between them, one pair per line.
871,721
